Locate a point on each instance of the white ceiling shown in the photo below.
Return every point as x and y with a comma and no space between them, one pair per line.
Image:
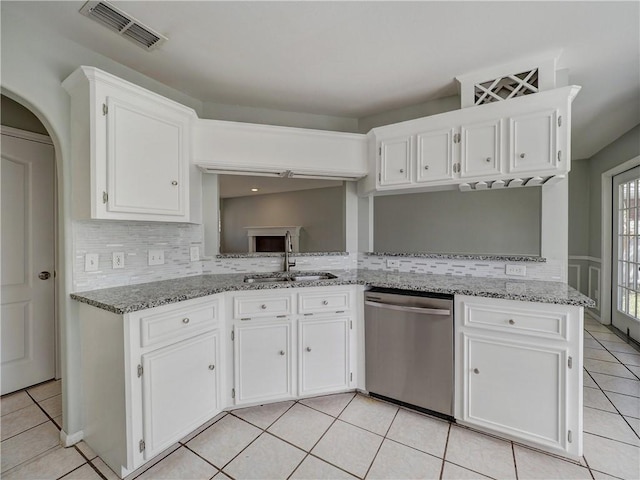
355,59
241,185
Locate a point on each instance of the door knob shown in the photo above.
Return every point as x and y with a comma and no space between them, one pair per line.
44,275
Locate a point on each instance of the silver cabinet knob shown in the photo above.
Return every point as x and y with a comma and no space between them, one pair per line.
488,159
174,183
522,155
185,320
212,367
511,322
281,352
44,275
402,170
476,371
263,306
426,167
325,302
308,349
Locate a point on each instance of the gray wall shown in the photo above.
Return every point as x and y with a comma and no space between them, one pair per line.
498,222
579,208
15,115
624,148
320,212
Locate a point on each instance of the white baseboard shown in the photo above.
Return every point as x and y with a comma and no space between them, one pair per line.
67,440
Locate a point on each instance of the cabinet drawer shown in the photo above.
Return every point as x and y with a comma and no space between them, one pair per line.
177,324
252,307
323,302
540,323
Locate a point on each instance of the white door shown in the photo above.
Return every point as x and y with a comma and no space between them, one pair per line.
324,355
28,246
179,390
263,362
625,312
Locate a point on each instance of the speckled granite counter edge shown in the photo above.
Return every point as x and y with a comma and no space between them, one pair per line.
279,254
462,256
160,299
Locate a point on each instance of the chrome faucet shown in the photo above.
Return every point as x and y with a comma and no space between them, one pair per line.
288,249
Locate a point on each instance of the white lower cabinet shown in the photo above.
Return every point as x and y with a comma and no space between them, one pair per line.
519,371
179,390
324,353
149,377
263,362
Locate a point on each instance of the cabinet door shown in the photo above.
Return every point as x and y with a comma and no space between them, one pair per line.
435,155
395,161
480,152
532,145
516,388
179,390
147,158
324,355
262,362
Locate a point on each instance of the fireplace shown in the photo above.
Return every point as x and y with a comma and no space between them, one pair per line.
271,239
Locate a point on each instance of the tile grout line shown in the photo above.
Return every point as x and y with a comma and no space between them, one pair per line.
335,419
515,464
444,453
384,437
75,445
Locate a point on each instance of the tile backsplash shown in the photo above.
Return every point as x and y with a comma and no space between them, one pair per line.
135,239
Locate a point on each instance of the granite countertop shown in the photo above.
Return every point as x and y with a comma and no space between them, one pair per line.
281,254
463,256
131,298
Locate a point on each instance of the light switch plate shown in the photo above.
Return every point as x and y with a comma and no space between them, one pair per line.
194,253
117,259
156,257
91,262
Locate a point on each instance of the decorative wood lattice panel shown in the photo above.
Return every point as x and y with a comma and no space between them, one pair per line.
506,87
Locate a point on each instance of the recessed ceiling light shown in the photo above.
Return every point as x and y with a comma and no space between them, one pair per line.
254,189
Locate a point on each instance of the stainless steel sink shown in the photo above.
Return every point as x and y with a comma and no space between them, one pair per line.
290,277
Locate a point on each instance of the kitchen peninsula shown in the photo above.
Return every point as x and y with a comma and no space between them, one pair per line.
206,341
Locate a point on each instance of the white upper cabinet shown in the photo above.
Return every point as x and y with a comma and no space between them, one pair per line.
522,138
533,142
130,150
434,155
396,159
480,149
221,146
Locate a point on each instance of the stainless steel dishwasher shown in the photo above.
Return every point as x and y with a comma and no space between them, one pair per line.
409,349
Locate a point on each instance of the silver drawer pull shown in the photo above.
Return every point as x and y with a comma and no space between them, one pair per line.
174,183
308,349
185,320
211,367
511,322
281,352
476,371
325,302
263,306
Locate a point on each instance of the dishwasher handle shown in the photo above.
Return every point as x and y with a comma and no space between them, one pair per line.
401,308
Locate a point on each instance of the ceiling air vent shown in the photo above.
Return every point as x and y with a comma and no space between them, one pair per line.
115,19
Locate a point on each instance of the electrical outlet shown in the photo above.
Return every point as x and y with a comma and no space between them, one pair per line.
91,262
117,258
393,263
516,270
156,257
194,253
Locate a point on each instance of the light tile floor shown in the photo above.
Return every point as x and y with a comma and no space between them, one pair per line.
348,436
